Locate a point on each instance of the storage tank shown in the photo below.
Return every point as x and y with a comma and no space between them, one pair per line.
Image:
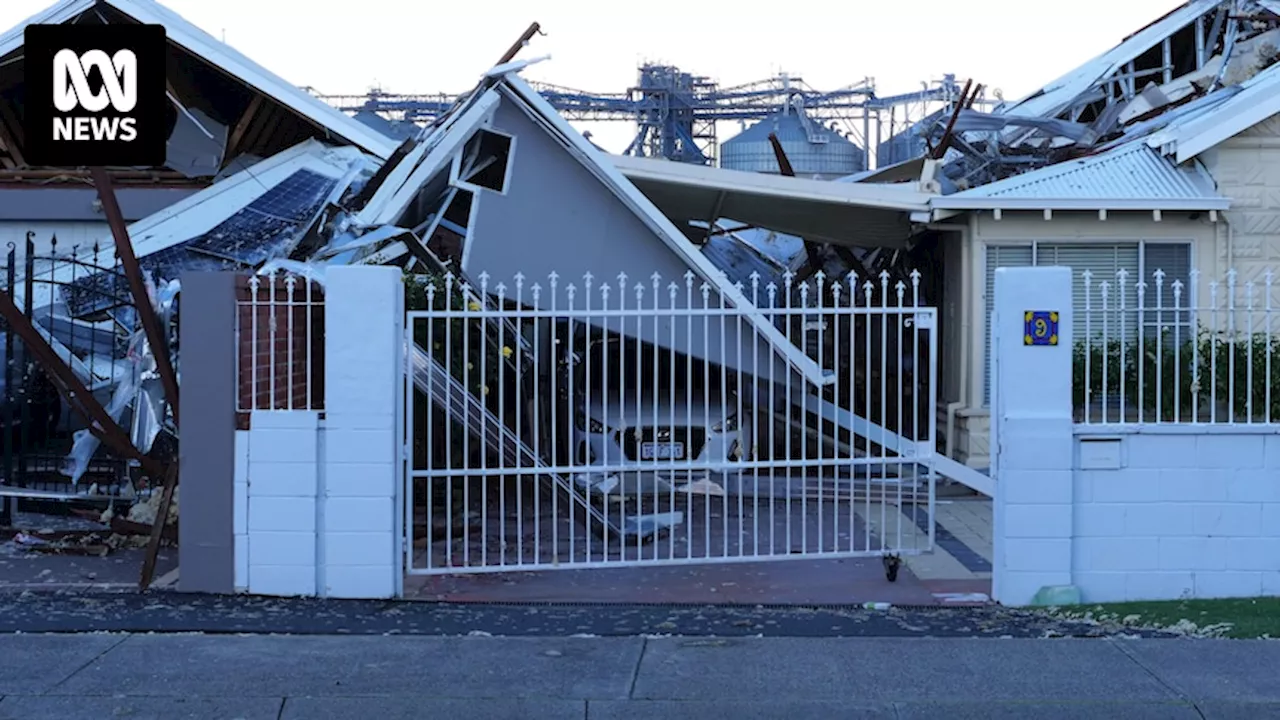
812,149
907,143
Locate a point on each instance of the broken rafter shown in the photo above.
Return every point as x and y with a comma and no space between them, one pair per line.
157,527
237,134
784,165
510,54
812,251
10,145
157,338
51,174
941,149
10,121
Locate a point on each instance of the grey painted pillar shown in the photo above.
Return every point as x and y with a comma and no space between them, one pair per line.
206,551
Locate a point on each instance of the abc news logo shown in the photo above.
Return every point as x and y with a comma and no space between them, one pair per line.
71,91
95,95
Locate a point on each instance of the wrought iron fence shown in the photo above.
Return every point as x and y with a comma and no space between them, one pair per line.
38,427
280,343
1151,349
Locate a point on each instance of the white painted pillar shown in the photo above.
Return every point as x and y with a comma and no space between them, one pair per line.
359,554
281,502
1032,440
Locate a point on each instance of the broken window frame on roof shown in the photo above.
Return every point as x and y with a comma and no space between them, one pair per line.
486,153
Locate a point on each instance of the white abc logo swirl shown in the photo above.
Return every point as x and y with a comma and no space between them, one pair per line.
71,81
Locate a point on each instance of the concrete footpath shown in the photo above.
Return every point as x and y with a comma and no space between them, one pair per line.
92,676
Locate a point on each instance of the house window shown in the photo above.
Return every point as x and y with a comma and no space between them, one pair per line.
484,161
1104,262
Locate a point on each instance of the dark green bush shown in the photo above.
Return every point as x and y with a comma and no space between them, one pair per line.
1211,375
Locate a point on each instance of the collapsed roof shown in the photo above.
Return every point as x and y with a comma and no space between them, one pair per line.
1194,77
225,107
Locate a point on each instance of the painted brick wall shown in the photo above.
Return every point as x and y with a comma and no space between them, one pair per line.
1246,169
281,347
1183,513
1120,512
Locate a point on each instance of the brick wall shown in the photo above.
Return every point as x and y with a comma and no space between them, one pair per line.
281,353
1174,514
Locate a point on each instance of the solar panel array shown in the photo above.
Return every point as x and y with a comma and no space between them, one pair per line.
260,231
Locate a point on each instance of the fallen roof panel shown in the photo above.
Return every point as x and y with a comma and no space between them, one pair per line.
859,214
884,197
222,56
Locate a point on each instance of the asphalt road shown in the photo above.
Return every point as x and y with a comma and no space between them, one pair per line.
263,677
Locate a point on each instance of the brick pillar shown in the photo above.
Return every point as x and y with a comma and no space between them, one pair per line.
1032,442
364,388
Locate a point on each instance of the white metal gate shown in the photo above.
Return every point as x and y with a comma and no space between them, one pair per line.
588,424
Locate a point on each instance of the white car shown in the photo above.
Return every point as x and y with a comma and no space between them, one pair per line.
629,440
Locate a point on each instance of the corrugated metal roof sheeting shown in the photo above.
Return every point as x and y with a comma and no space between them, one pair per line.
1133,174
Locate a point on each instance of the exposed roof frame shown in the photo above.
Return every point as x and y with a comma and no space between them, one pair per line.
430,157
1056,96
203,45
602,167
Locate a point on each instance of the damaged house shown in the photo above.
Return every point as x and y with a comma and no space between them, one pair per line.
1132,162
1151,163
227,115
502,187
227,112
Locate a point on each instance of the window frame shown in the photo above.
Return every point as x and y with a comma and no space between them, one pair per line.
985,386
455,167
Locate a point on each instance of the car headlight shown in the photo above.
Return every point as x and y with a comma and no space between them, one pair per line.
729,424
589,424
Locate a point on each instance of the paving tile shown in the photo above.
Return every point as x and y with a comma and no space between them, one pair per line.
415,707
887,670
732,710
1203,670
46,660
335,665
53,707
1083,710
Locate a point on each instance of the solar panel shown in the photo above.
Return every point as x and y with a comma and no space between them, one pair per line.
261,230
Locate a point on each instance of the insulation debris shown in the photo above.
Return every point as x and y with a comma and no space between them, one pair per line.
145,513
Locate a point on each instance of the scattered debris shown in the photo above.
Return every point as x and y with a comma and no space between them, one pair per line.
1158,81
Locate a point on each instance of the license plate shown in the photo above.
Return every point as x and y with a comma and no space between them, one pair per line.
662,451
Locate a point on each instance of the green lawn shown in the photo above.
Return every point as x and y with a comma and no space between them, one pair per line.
1239,618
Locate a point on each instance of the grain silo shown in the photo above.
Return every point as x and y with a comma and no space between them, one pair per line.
813,150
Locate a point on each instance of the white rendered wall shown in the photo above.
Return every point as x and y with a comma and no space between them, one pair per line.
1154,512
316,501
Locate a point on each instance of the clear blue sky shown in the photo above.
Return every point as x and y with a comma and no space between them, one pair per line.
412,46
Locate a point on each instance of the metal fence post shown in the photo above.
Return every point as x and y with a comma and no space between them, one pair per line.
8,506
